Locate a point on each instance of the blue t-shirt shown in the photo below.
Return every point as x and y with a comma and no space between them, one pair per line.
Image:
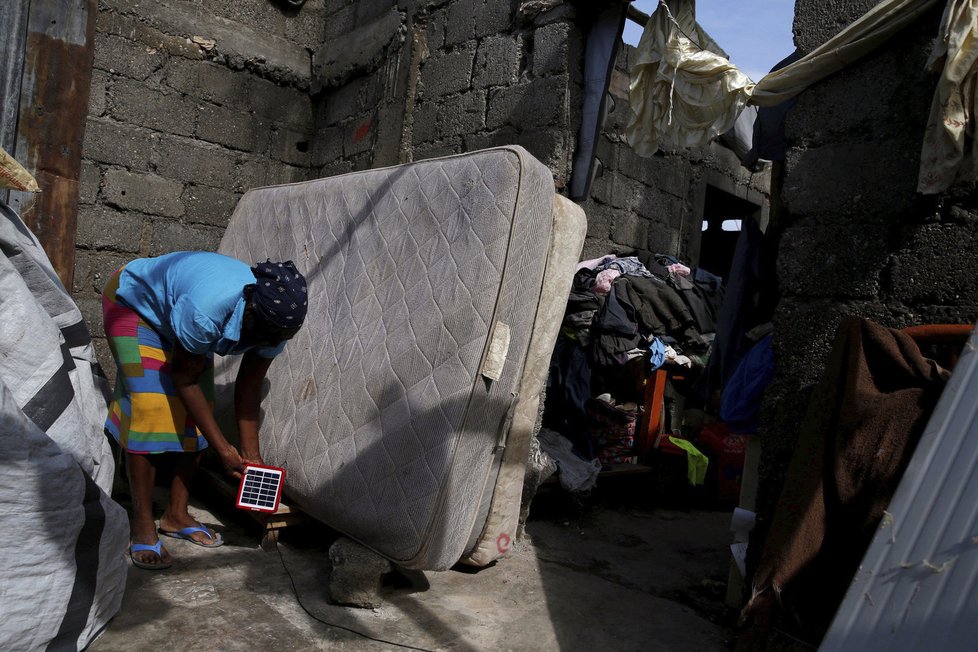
195,298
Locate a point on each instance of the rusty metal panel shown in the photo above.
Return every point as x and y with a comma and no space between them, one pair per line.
60,49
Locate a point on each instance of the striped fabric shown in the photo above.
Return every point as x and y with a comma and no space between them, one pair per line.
146,415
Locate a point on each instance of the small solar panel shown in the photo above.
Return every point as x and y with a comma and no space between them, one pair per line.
261,488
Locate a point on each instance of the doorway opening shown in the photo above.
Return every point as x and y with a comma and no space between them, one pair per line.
723,215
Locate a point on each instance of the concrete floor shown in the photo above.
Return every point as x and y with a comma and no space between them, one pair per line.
614,575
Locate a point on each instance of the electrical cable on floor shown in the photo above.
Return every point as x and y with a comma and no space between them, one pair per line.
298,600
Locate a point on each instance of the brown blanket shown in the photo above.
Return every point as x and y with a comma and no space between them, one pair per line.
863,422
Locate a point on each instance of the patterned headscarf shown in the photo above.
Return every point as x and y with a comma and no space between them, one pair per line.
280,294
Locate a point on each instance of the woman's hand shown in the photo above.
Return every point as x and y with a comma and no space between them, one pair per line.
232,461
251,457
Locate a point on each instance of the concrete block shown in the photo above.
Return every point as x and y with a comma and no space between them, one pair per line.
426,122
495,138
460,25
562,12
816,21
549,146
358,51
828,260
497,62
265,16
308,27
445,74
493,17
463,114
81,277
89,182
92,271
661,238
278,103
595,247
936,264
630,230
355,577
118,144
438,148
279,173
657,205
132,29
166,236
252,173
290,146
534,104
235,129
865,181
186,160
434,30
96,98
368,11
552,49
205,205
167,112
349,100
335,168
360,135
327,146
599,220
146,193
221,85
100,227
341,21
131,59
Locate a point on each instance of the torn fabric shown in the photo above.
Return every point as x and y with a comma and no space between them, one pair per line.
684,94
948,154
683,91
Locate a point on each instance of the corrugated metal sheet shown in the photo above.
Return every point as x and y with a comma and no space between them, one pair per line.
917,588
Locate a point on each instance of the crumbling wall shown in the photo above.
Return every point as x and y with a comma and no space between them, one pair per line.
856,237
656,203
403,81
192,103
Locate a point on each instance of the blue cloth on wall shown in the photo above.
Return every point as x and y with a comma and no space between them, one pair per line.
740,403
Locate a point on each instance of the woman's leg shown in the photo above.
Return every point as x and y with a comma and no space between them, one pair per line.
142,478
177,515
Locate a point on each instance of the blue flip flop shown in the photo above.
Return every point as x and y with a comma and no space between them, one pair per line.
145,547
186,533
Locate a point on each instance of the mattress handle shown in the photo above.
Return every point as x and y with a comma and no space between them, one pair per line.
502,436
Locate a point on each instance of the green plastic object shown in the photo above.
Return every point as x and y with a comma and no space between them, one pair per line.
696,462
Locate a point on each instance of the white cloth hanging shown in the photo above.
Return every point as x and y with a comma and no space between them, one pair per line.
684,93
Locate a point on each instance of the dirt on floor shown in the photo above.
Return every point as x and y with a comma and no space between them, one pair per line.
612,571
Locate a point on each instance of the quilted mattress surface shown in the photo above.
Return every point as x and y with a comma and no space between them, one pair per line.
391,408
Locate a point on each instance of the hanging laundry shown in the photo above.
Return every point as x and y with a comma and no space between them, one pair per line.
683,91
949,153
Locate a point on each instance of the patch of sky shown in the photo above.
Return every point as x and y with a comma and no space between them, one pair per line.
755,33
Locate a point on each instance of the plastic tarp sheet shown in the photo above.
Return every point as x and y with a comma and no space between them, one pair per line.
63,564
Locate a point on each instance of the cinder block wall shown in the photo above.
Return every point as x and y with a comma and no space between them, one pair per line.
196,101
857,239
656,203
192,103
409,80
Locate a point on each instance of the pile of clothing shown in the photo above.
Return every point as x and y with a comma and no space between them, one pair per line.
625,318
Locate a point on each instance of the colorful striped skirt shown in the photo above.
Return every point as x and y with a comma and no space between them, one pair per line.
147,415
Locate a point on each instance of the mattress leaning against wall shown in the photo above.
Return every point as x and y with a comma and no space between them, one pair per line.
400,409
62,563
